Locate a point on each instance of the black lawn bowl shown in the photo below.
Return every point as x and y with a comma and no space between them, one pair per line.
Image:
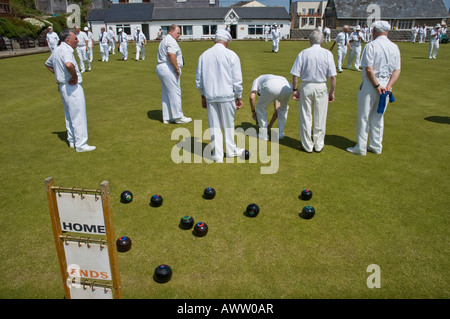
245,155
126,197
252,210
200,229
306,194
209,193
186,222
307,212
162,274
123,244
156,201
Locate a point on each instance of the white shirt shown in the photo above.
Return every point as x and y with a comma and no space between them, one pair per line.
52,38
326,30
341,39
139,38
276,34
261,80
123,38
314,64
383,56
90,38
111,34
169,45
104,37
58,59
266,29
219,76
356,37
434,35
82,38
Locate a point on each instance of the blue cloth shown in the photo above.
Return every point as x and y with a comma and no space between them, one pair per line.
382,104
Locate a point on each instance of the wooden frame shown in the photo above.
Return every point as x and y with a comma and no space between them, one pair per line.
59,237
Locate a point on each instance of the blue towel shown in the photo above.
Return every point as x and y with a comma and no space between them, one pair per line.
382,104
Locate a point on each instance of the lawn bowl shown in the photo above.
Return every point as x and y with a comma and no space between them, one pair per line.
123,244
156,201
162,274
307,212
209,193
252,210
126,197
186,222
306,194
200,229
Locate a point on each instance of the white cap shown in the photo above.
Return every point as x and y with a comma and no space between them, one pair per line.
138,28
358,27
438,25
223,34
86,29
120,29
381,25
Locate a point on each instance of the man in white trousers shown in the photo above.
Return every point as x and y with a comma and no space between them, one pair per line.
276,36
355,40
52,39
381,69
343,44
168,69
270,89
64,66
219,80
313,66
112,41
140,41
266,32
435,36
103,39
82,49
122,39
90,52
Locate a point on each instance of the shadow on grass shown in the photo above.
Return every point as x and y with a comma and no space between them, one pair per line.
62,136
155,115
438,119
193,145
338,141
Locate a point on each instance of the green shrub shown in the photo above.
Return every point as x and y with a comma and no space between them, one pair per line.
15,28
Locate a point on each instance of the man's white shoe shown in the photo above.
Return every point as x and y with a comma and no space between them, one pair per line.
355,151
167,122
86,148
183,120
372,150
263,137
237,152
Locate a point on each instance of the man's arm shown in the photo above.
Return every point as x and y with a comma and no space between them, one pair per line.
295,87
71,69
332,88
392,80
173,61
253,104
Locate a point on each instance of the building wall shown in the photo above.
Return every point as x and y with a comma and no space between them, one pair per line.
177,3
307,14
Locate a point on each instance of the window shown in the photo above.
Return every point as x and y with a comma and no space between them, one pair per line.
304,21
186,30
311,12
212,1
405,24
126,28
255,29
209,29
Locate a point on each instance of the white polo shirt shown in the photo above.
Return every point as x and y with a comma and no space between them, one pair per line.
218,75
58,59
169,45
383,56
259,82
341,39
82,38
52,38
314,64
104,37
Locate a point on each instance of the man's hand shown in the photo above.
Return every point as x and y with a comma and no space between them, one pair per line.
203,102
238,104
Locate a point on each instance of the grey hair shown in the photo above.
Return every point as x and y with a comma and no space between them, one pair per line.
316,37
220,39
63,35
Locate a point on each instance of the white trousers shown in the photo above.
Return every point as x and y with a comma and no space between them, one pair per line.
124,50
170,92
342,52
354,54
273,90
313,96
266,36
90,53
83,58
221,116
369,123
433,50
327,37
104,52
421,38
275,45
75,113
112,46
140,50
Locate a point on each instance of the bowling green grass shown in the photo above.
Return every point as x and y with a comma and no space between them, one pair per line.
390,210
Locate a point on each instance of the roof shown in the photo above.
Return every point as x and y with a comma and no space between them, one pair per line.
405,9
219,13
123,12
